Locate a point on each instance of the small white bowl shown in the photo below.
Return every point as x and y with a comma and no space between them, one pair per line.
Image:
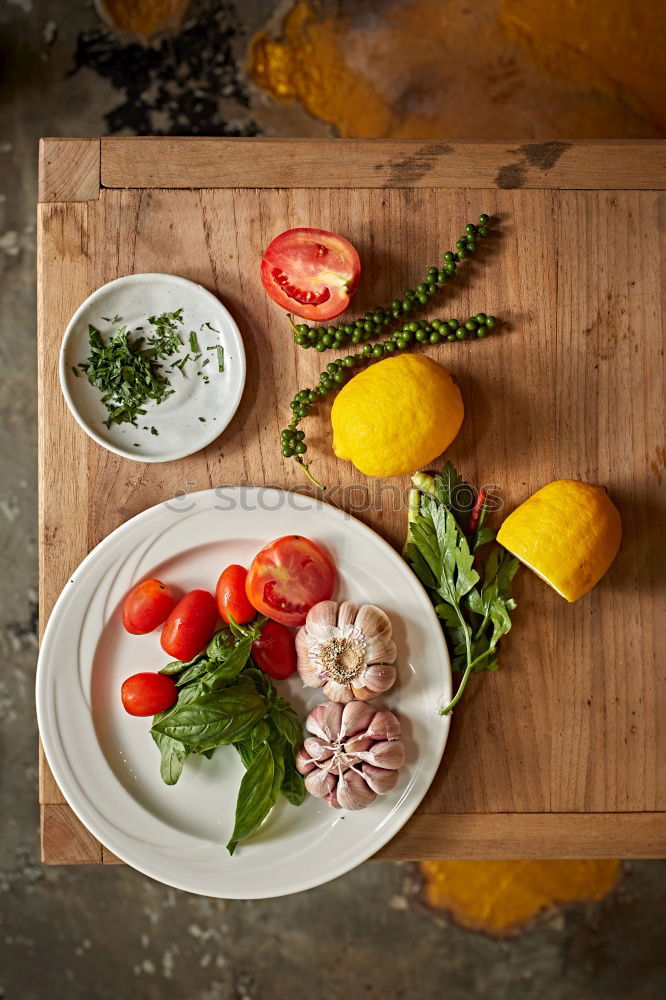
179,429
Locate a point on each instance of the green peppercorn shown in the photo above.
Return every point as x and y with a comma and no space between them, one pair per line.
434,337
470,229
389,347
480,317
377,351
461,333
453,324
450,337
302,328
471,324
421,336
481,332
483,219
300,448
432,288
471,246
312,396
490,321
298,435
450,269
366,350
401,343
349,362
449,257
338,378
484,231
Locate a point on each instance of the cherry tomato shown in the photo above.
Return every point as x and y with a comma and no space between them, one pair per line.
190,625
288,577
231,598
148,694
274,651
146,607
311,272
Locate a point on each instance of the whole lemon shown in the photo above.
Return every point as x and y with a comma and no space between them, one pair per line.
568,533
396,416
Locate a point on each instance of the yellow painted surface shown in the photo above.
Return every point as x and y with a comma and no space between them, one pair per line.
436,68
501,896
143,17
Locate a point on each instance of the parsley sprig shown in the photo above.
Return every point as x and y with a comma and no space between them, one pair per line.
131,370
473,603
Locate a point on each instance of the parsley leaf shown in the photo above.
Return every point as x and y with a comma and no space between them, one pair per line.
442,556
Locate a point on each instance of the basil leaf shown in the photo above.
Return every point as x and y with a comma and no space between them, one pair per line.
194,672
288,726
257,794
173,755
246,752
221,645
261,680
213,719
231,666
293,786
176,666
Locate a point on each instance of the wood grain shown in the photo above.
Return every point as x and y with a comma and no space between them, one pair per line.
380,163
65,838
571,386
510,836
69,170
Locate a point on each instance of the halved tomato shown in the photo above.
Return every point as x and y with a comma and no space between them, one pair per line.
311,272
288,577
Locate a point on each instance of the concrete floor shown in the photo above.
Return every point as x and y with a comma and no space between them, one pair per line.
110,933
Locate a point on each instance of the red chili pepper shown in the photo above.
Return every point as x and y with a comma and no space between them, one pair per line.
476,510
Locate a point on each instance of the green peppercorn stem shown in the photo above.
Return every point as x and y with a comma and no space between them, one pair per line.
372,324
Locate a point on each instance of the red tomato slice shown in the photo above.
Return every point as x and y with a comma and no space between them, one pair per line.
311,273
148,694
190,625
231,598
146,606
288,577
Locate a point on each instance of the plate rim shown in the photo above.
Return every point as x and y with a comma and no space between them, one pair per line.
61,777
238,383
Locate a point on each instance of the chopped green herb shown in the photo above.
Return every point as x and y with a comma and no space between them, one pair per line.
207,326
194,343
116,319
220,358
154,430
206,362
75,371
202,419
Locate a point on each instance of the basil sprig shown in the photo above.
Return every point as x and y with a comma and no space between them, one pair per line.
224,699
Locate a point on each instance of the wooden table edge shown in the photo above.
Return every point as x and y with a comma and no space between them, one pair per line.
168,162
457,836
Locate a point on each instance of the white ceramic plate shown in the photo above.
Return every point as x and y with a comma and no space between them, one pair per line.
105,761
179,429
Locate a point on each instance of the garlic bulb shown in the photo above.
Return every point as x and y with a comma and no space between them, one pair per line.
346,650
353,754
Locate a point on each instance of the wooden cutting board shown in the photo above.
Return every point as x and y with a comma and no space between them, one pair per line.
559,754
